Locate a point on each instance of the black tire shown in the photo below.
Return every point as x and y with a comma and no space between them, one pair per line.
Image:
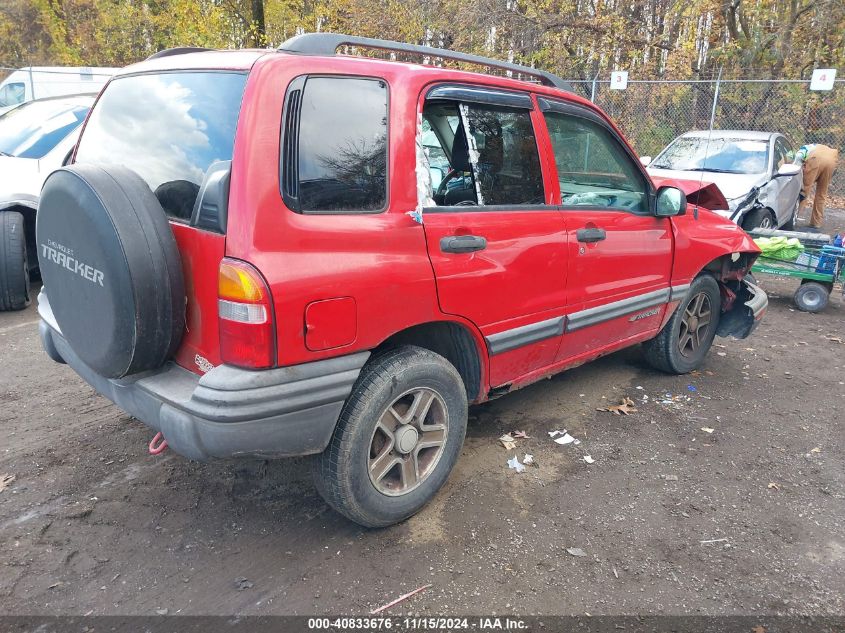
111,268
811,297
664,352
342,473
759,218
14,265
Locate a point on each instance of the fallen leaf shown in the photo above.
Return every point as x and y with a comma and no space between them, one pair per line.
6,481
625,408
758,629
773,486
507,441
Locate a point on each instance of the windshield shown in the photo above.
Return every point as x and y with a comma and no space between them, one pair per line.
169,128
720,155
35,128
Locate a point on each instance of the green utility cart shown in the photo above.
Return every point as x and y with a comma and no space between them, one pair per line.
819,265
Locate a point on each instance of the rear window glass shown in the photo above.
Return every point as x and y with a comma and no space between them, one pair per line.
169,128
35,128
342,158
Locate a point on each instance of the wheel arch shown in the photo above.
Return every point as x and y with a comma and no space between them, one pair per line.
730,266
457,342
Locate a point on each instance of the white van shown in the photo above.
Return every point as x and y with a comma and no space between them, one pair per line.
37,82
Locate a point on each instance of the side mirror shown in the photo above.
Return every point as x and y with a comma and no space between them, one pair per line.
670,202
645,160
788,169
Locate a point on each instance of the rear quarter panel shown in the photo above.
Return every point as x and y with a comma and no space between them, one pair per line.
377,259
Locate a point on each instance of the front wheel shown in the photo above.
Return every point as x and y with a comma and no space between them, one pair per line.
759,219
685,340
397,439
14,265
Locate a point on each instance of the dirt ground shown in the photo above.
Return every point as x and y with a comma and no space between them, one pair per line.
672,519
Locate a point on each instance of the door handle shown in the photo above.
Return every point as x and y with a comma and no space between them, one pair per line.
462,243
590,235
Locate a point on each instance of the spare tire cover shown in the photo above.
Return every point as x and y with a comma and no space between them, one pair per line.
111,268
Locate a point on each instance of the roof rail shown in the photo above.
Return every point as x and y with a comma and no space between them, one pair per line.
179,50
328,43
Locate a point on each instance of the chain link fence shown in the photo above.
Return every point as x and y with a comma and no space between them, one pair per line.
652,113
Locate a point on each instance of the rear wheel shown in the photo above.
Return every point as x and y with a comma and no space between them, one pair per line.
811,297
759,219
14,265
397,439
685,340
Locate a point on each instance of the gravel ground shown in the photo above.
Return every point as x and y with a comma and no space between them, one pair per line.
748,518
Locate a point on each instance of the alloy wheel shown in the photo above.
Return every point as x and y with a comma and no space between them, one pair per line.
408,441
697,316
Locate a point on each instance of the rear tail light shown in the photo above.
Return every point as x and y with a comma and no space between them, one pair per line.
245,312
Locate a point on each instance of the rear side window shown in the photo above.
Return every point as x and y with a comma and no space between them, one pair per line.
495,163
335,149
508,167
169,128
593,168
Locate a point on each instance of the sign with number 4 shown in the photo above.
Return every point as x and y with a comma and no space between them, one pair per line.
619,80
823,79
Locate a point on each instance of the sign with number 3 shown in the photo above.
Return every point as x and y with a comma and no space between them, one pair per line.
619,80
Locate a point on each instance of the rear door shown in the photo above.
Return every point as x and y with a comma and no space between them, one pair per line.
497,245
620,254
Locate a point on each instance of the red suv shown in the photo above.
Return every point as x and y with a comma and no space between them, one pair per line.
305,253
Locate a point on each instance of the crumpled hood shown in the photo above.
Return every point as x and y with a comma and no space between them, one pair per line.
19,176
732,186
702,193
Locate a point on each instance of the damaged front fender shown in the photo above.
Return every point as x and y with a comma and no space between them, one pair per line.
745,309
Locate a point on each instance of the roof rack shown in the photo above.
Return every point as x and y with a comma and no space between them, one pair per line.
328,43
179,50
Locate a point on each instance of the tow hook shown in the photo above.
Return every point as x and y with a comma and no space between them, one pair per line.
158,444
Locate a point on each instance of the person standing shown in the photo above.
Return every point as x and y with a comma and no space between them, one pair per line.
819,162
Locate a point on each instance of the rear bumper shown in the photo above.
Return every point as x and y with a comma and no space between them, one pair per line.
227,412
